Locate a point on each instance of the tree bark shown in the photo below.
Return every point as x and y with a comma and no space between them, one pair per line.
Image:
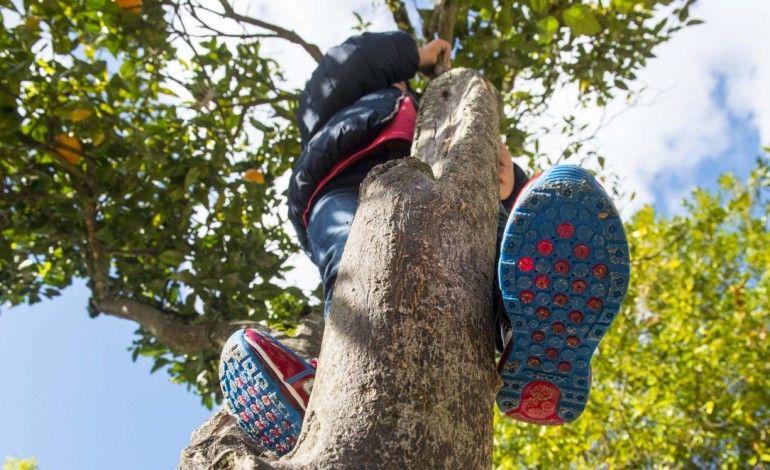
406,375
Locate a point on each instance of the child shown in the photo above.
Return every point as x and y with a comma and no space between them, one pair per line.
563,266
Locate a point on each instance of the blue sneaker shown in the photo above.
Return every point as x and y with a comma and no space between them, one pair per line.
564,272
266,387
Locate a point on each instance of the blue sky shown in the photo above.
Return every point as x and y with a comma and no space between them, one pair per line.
738,157
72,397
70,394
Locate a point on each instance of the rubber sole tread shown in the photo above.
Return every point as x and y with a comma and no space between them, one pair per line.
564,270
253,398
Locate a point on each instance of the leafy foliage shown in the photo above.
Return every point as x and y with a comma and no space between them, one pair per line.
682,381
528,49
156,190
155,176
15,463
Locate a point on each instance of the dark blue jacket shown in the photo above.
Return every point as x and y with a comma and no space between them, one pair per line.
344,107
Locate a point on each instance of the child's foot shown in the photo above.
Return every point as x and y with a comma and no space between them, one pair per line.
266,387
564,273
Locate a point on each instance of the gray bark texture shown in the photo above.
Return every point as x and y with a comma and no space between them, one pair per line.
406,375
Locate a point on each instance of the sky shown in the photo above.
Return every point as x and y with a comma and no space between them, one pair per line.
70,394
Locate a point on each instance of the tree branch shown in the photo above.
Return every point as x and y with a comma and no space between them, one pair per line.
398,9
96,261
443,20
184,337
290,36
261,101
72,169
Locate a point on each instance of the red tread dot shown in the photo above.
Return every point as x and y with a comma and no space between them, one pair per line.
564,366
526,264
575,316
542,313
582,251
551,353
565,230
238,382
561,267
558,328
594,303
573,341
579,286
544,247
542,282
245,416
533,361
560,300
254,408
527,296
538,336
600,271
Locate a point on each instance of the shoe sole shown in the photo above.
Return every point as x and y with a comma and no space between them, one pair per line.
255,399
564,270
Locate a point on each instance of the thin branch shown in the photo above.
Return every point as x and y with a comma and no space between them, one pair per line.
218,34
290,36
443,20
260,101
185,337
400,15
96,261
132,253
72,169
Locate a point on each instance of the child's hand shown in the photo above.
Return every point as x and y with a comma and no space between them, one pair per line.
435,52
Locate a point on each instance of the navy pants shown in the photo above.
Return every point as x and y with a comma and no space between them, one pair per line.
328,229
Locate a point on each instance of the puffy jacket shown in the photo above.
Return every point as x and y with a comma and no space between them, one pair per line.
344,107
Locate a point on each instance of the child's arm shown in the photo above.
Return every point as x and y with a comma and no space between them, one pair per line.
357,67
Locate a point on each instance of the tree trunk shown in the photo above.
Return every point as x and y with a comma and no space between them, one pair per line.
406,375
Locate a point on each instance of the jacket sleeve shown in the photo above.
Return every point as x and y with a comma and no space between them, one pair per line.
359,66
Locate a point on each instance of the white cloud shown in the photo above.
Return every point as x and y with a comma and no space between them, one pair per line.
686,125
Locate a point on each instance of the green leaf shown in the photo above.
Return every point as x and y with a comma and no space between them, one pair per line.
549,26
172,257
539,6
581,20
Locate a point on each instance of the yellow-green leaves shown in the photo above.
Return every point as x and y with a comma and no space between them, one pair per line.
581,20
549,27
539,6
684,374
15,463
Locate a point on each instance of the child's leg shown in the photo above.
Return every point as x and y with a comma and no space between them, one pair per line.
502,324
328,230
267,386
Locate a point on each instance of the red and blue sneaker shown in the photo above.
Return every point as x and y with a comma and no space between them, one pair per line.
564,272
267,388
